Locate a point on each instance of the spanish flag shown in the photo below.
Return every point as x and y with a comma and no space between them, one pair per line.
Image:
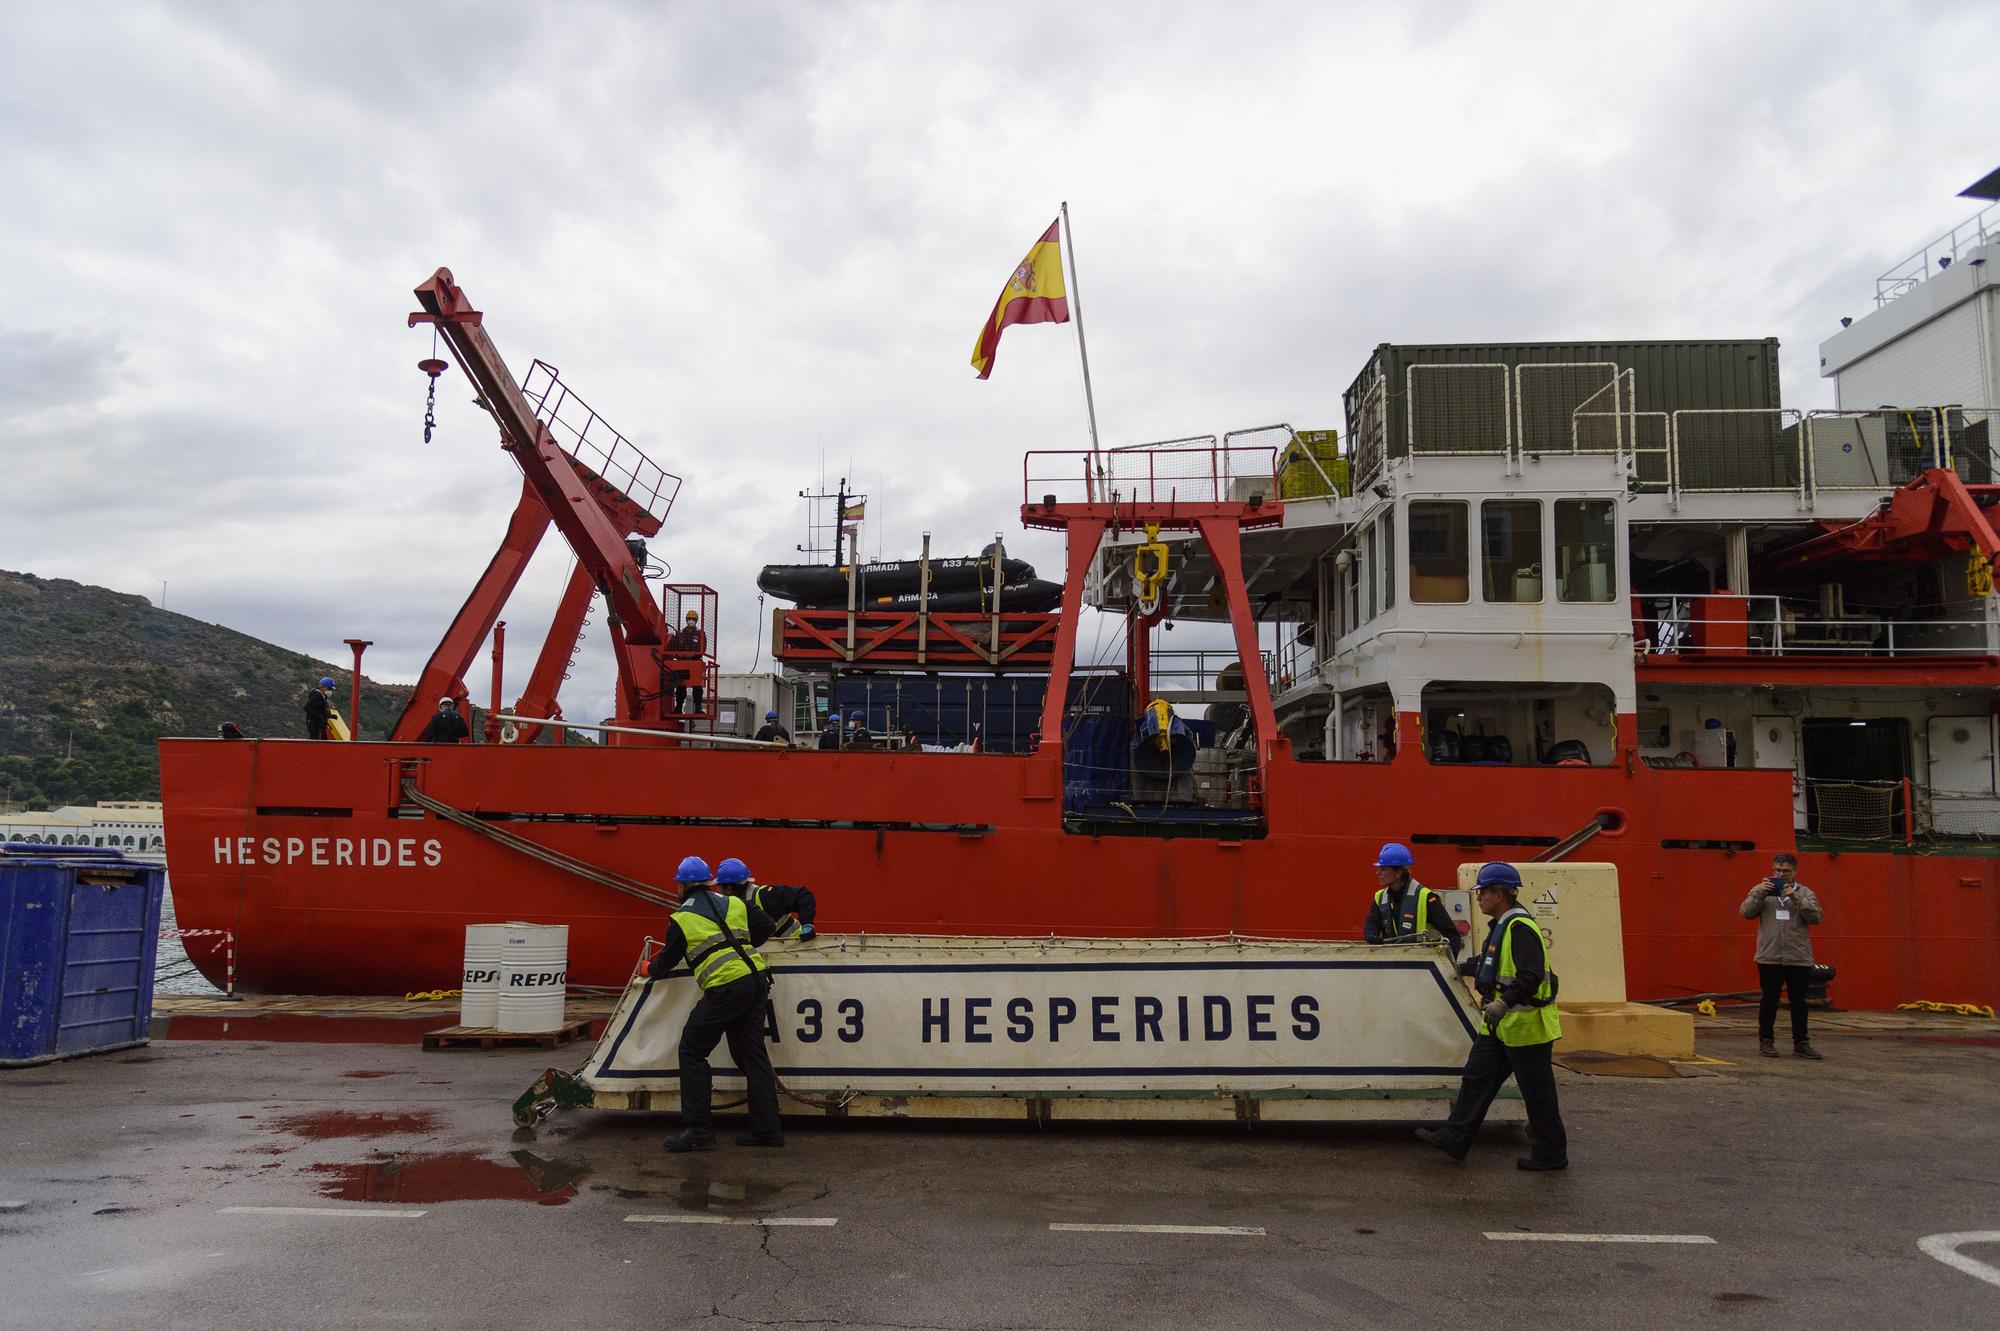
854,512
1033,295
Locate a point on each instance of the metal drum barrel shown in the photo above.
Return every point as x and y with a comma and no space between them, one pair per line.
534,972
479,996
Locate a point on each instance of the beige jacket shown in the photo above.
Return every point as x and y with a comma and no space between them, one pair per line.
1782,941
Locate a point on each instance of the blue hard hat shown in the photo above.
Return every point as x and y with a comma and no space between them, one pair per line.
770,716
694,869
326,682
1500,874
833,716
1395,855
731,870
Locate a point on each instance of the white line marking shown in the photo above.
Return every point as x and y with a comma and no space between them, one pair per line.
1945,1247
13,1206
322,1210
1505,1236
1247,1231
773,1222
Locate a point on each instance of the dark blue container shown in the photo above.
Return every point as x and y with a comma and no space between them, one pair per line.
79,931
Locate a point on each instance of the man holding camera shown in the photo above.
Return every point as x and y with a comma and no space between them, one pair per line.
1784,909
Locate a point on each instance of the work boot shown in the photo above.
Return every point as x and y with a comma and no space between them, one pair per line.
1534,1163
1768,1048
691,1139
1435,1137
1806,1051
760,1139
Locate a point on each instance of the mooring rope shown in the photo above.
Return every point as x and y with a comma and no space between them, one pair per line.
555,859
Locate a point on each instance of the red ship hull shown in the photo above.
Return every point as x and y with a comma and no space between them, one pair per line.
297,848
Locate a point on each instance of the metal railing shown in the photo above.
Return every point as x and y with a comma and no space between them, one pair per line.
1571,406
1725,449
589,439
1370,435
1296,658
1201,674
1952,245
1464,411
1667,625
1152,475
1590,407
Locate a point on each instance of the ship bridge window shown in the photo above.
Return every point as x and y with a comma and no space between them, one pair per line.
1438,551
1509,723
1510,549
1586,545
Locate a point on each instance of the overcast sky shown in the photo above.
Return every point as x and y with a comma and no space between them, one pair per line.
761,239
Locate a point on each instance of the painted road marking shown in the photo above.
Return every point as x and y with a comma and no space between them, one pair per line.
1945,1247
322,1210
1505,1236
774,1222
1246,1231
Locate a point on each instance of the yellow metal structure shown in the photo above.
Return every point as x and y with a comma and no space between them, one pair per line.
1149,570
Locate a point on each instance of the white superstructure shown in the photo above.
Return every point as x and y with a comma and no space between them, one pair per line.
1934,337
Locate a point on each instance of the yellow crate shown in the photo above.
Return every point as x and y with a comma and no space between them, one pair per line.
1298,478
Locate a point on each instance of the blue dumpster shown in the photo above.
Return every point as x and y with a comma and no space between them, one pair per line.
79,929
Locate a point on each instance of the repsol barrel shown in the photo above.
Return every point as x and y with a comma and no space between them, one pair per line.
479,985
534,971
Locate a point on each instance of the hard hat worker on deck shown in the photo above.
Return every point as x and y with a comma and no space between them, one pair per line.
792,908
319,708
1404,909
717,935
1518,1032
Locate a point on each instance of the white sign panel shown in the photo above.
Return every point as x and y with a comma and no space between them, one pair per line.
954,1016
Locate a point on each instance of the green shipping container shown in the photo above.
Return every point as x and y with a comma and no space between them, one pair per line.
1463,414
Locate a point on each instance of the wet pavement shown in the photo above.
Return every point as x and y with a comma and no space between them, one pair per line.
230,1183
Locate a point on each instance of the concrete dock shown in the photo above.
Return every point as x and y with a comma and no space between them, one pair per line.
222,1179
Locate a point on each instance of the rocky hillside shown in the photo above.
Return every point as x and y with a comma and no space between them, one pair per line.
90,678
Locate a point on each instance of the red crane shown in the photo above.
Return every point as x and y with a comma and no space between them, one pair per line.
595,514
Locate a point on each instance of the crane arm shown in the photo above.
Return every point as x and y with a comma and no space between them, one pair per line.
590,531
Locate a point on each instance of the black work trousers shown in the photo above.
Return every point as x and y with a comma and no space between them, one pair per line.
1487,1068
733,1011
1794,978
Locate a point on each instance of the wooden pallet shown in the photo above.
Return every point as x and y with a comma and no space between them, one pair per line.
484,1037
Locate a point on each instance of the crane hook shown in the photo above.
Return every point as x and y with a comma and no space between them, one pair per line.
432,367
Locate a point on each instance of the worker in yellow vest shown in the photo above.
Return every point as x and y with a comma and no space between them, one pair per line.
1404,908
717,935
1519,1028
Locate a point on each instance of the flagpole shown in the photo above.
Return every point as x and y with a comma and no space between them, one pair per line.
1083,352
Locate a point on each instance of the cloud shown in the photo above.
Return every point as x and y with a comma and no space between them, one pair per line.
760,239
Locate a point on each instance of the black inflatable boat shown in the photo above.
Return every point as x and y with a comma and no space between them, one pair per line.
824,587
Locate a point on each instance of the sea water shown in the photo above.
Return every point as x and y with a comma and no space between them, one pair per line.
173,973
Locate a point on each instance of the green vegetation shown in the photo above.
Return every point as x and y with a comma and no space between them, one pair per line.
91,678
